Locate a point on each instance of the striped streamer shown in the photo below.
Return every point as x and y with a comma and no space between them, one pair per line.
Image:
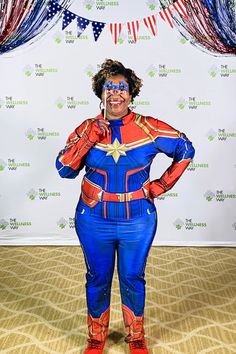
24,22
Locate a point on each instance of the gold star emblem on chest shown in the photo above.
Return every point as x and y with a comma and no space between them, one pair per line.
116,149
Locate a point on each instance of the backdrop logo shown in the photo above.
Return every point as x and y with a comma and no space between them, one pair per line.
69,37
38,70
221,134
193,166
70,102
213,71
3,224
219,196
161,70
152,4
136,104
167,195
42,194
181,103
89,4
12,103
209,195
188,224
40,133
100,5
3,164
13,223
222,70
211,135
66,223
90,70
192,103
182,40
11,164
28,70
122,38
131,39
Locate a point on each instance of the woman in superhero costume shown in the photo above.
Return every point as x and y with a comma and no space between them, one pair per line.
116,214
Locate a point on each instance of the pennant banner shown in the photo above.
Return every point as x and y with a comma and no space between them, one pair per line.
151,23
68,17
180,7
115,28
97,29
52,9
82,23
166,15
133,28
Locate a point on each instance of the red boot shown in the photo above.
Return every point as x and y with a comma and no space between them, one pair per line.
135,330
94,347
138,347
98,331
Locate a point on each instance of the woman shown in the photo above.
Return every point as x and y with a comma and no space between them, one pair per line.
116,214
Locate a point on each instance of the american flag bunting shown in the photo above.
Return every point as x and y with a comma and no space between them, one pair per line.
166,15
68,17
180,7
52,9
133,28
97,29
82,23
115,29
151,23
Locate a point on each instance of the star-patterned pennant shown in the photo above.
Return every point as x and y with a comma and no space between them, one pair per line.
68,17
52,9
166,15
133,28
97,29
180,7
151,23
115,29
82,23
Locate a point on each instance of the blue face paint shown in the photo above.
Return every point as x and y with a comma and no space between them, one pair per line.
120,88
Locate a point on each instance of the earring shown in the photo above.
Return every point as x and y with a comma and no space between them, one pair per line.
101,106
131,106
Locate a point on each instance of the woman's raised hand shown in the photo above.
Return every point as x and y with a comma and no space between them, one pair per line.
99,129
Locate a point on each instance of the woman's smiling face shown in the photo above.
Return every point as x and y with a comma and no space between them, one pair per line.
117,101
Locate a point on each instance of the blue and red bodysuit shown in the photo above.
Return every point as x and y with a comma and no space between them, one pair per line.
116,212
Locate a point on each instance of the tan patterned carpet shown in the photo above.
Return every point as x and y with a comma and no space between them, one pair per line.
190,306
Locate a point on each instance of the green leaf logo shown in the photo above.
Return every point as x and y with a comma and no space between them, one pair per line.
58,40
182,40
28,73
151,73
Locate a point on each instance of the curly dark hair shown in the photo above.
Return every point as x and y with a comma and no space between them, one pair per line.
111,68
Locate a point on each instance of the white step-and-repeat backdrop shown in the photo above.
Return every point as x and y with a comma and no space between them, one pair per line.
45,93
